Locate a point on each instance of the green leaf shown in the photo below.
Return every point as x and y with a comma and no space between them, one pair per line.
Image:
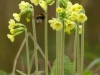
20,72
94,62
88,72
68,67
2,72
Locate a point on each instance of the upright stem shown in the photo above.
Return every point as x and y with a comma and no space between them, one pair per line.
35,43
57,45
75,46
27,53
78,50
82,49
46,42
62,49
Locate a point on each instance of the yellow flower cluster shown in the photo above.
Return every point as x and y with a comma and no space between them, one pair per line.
18,28
70,14
15,29
43,4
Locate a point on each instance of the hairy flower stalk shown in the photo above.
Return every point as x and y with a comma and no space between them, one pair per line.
62,49
57,45
27,52
46,42
82,49
78,50
35,43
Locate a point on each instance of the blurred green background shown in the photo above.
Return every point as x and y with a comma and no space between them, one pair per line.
8,50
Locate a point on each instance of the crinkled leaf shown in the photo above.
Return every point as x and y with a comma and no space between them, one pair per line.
68,67
88,72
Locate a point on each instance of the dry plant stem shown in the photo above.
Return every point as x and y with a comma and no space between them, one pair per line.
20,49
78,51
75,45
17,55
46,42
82,48
40,50
35,42
27,53
96,70
57,45
22,64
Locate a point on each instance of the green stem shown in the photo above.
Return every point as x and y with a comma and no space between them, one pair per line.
78,50
82,49
27,53
57,45
75,46
62,49
35,42
46,42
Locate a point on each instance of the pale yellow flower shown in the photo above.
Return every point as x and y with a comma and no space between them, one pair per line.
12,24
82,17
43,5
67,30
74,16
76,7
70,25
69,4
23,5
16,16
55,24
12,31
11,37
35,2
59,10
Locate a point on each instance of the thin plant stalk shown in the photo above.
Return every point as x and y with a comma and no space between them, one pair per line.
27,52
82,49
78,50
35,42
57,45
62,49
46,42
75,46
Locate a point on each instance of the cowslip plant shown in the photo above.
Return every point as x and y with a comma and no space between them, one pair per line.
70,18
